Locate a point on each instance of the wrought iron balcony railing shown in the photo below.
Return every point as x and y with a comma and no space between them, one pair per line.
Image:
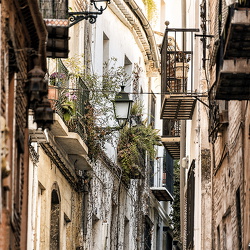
171,128
177,74
171,137
162,181
69,98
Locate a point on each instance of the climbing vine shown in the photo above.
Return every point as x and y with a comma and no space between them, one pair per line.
175,214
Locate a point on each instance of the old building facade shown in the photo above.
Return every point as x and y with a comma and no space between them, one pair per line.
229,131
23,36
80,197
214,142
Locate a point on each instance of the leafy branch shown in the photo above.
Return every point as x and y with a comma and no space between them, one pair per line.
135,141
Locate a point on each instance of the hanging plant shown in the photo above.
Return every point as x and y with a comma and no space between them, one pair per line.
134,142
151,9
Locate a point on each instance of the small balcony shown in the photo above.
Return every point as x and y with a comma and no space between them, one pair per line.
233,81
171,137
177,75
162,183
233,73
68,97
176,106
55,14
237,32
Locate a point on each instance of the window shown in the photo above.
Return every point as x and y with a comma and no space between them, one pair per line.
238,211
147,233
218,238
105,48
127,65
126,234
152,111
55,221
190,206
168,172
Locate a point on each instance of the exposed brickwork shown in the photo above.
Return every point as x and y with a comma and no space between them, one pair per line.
15,41
229,161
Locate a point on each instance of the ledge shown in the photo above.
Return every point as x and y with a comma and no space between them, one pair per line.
234,80
178,107
161,194
172,145
71,143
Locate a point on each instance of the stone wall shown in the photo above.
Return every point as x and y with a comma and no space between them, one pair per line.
246,194
227,178
206,199
14,111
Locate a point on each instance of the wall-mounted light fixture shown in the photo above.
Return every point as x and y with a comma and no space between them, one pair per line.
122,105
36,86
43,114
100,6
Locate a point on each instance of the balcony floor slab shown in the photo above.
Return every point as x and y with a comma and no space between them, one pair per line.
177,107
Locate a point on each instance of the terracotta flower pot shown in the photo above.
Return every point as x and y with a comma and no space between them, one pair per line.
52,95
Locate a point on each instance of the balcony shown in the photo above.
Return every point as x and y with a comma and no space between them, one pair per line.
177,106
177,75
233,81
55,14
162,183
71,143
68,97
171,137
237,33
233,73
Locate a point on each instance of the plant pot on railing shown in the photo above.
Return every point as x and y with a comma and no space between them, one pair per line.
68,110
52,95
181,70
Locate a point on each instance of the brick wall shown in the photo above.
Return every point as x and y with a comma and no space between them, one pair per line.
227,178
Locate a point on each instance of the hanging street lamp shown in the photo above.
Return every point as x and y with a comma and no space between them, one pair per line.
122,105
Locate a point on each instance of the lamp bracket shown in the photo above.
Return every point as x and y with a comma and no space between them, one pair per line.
76,17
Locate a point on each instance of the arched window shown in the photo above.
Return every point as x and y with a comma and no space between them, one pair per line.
55,219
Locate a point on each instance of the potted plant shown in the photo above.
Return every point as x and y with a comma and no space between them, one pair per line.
56,80
69,106
181,65
134,142
66,105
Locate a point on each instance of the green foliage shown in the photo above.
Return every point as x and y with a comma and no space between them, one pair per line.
134,141
102,88
99,108
151,8
175,214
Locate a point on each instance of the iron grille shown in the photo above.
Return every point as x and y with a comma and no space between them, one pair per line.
168,172
177,61
74,92
171,128
190,207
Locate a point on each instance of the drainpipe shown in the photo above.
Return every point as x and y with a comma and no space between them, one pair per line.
182,144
